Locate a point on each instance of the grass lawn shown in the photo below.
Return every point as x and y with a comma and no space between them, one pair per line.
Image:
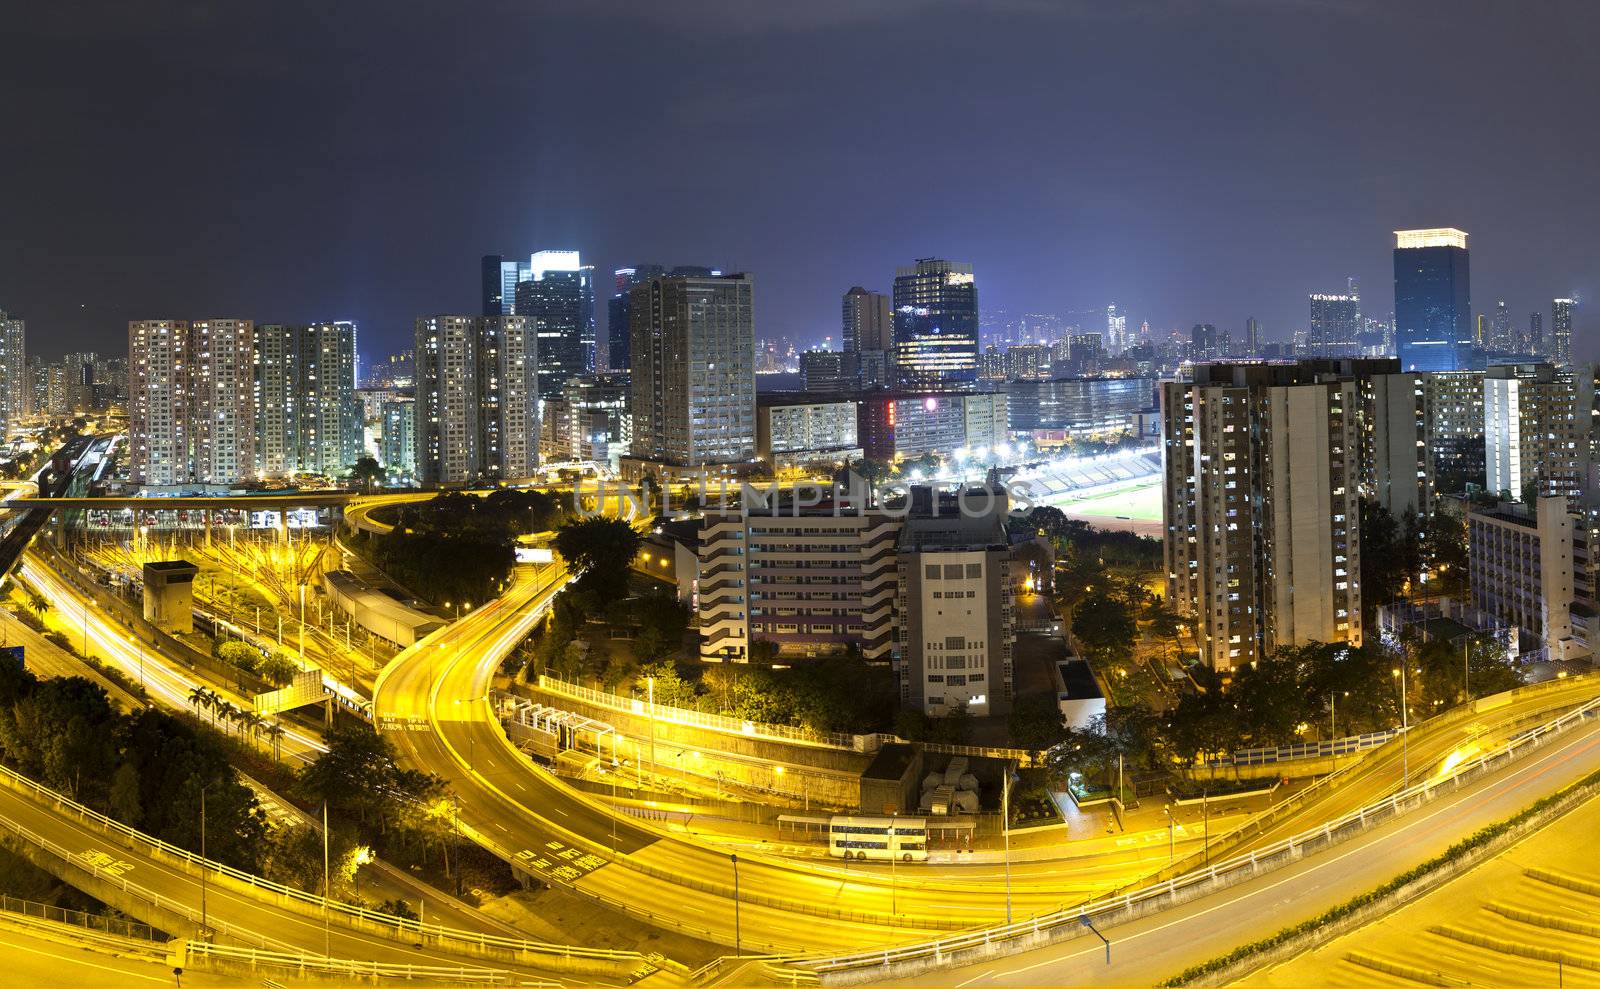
1139,502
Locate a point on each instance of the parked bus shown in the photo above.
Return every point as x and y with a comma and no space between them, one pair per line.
884,838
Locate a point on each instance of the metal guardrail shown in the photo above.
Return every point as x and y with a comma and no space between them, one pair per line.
699,719
443,936
1185,886
130,929
113,876
1304,750
350,968
870,742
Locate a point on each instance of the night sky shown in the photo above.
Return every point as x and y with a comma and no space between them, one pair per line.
1190,161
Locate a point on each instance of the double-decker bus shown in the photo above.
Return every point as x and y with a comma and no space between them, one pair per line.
884,838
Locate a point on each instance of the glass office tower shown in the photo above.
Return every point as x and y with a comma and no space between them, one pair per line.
1432,301
936,325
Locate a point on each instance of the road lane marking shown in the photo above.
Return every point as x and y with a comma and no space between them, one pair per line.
80,961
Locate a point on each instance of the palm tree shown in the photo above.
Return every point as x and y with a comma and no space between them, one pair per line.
39,603
255,722
275,732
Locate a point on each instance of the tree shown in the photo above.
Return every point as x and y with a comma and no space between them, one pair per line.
1103,624
671,689
278,669
367,473
242,655
599,551
124,795
1036,722
762,652
360,776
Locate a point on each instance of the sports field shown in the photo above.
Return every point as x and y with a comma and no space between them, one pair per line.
1135,506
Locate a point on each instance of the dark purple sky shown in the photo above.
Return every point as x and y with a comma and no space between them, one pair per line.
1190,161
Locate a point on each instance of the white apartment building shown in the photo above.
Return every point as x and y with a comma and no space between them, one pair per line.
1529,568
954,612
793,433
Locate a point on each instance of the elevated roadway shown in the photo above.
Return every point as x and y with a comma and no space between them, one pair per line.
432,702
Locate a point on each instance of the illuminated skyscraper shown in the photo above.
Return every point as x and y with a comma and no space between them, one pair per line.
1536,333
158,408
1335,324
1500,337
936,325
693,375
557,294
617,309
1432,300
14,388
868,323
476,407
1116,330
1561,331
222,407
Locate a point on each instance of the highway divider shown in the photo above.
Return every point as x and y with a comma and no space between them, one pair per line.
555,957
979,945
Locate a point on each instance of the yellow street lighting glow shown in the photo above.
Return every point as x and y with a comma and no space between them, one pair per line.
1434,237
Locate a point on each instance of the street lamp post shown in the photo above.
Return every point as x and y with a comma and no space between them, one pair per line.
1405,727
651,682
139,644
894,853
614,768
327,887
1172,848
1005,830
737,942
203,924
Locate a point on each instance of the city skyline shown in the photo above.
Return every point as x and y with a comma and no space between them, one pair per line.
1099,211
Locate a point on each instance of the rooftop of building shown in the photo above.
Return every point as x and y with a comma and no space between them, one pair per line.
891,762
1078,680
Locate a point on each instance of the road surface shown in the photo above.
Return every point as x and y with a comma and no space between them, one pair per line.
1154,948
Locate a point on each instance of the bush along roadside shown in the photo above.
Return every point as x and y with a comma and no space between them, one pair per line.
1343,910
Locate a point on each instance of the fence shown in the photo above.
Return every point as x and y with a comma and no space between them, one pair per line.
226,955
78,918
755,729
1305,750
1063,924
399,927
699,719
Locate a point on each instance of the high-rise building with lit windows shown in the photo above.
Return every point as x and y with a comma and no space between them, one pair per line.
14,390
1561,331
1500,336
1536,441
1433,301
693,374
158,412
1335,324
308,418
476,407
936,326
1261,507
330,413
222,408
868,321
